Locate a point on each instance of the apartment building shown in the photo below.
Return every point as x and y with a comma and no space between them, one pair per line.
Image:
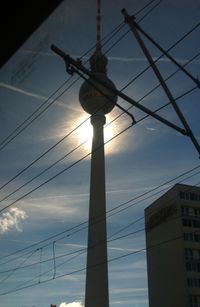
173,248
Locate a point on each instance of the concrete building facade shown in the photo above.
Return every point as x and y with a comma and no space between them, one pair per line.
173,248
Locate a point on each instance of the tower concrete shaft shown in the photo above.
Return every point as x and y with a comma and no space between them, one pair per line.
97,269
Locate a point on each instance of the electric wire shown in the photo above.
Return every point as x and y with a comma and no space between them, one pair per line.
98,264
40,264
47,151
150,11
63,157
121,209
79,251
83,157
162,54
31,164
141,119
167,78
59,173
146,6
104,41
113,32
83,250
195,80
120,206
54,260
26,122
10,137
79,230
43,171
37,159
124,34
17,268
121,237
94,222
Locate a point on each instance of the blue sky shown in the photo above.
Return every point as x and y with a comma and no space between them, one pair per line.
140,159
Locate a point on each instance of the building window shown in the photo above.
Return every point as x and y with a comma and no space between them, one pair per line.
196,223
193,282
188,253
197,211
191,223
182,195
196,237
187,222
189,196
191,237
192,254
191,211
185,210
192,266
194,300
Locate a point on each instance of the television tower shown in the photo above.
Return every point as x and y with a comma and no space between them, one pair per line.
96,104
98,96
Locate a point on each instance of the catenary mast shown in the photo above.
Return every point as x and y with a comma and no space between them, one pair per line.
94,103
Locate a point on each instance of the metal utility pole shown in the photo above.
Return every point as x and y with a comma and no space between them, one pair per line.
130,20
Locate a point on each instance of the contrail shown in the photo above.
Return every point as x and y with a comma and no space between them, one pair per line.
34,95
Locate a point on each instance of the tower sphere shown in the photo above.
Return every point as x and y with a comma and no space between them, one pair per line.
92,100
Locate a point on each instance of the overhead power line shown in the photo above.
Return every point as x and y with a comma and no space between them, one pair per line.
164,86
50,100
58,277
63,157
75,163
25,285
76,253
59,173
47,151
82,250
76,66
121,207
105,40
30,119
166,53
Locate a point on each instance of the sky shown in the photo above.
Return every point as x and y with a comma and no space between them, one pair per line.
138,160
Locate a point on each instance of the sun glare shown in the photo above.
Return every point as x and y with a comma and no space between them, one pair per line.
85,133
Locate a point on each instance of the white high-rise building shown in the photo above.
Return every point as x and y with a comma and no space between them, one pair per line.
173,248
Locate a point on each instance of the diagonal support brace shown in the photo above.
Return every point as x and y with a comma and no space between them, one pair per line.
130,20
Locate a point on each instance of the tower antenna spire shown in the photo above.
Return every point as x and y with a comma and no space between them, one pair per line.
98,29
98,61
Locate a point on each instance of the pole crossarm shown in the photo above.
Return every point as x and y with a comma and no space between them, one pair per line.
132,24
71,63
71,70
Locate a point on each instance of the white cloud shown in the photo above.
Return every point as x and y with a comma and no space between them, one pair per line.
151,129
74,304
12,219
